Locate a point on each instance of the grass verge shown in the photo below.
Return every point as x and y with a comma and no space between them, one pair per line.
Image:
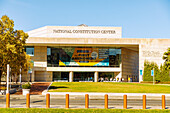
108,87
52,110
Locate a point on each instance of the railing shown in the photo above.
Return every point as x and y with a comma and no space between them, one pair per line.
86,101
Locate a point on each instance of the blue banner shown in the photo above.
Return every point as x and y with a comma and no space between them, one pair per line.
152,72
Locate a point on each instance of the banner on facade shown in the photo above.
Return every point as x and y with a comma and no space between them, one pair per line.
89,56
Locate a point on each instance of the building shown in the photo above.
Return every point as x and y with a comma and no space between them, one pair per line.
82,53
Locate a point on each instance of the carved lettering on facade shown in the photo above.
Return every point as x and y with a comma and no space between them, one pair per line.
86,31
151,54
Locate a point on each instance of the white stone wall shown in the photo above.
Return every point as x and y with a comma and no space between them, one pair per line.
152,51
74,32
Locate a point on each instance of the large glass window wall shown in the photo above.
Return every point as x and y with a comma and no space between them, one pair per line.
83,56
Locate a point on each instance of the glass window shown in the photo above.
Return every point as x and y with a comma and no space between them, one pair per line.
52,57
30,50
48,51
83,56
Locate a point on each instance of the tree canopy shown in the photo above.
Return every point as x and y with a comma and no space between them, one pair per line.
166,57
12,43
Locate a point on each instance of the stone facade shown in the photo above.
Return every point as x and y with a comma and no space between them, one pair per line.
134,52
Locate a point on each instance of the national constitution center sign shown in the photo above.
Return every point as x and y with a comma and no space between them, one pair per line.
82,32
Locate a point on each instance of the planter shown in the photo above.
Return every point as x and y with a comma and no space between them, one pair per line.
25,91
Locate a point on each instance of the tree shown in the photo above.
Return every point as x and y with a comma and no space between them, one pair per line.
148,66
12,43
164,73
166,57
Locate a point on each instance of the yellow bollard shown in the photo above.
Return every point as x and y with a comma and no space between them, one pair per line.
47,100
106,101
86,101
7,100
125,102
67,100
28,100
163,101
144,101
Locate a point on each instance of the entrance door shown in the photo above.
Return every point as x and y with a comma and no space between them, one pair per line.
61,76
83,76
107,76
65,76
56,76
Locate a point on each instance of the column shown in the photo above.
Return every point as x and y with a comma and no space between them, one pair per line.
70,76
121,75
96,74
32,75
141,63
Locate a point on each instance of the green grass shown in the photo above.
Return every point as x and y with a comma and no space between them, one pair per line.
108,87
51,110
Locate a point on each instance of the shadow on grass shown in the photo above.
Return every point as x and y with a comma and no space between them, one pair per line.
57,87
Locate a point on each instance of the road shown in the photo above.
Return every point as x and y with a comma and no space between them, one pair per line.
39,100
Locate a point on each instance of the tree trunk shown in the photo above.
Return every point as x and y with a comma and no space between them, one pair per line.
16,77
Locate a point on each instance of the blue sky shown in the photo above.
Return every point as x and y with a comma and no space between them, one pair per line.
138,18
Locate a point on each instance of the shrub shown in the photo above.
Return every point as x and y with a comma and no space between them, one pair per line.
26,86
161,74
148,66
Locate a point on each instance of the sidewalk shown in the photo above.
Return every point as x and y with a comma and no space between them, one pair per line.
83,107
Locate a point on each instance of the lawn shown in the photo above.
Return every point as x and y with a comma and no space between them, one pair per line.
108,87
51,110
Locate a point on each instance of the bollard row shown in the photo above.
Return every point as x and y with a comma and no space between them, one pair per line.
47,100
106,101
7,100
163,101
86,101
67,100
28,100
144,101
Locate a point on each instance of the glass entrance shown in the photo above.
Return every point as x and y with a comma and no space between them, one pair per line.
107,76
83,76
61,76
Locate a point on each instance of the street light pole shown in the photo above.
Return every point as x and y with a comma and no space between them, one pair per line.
7,91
